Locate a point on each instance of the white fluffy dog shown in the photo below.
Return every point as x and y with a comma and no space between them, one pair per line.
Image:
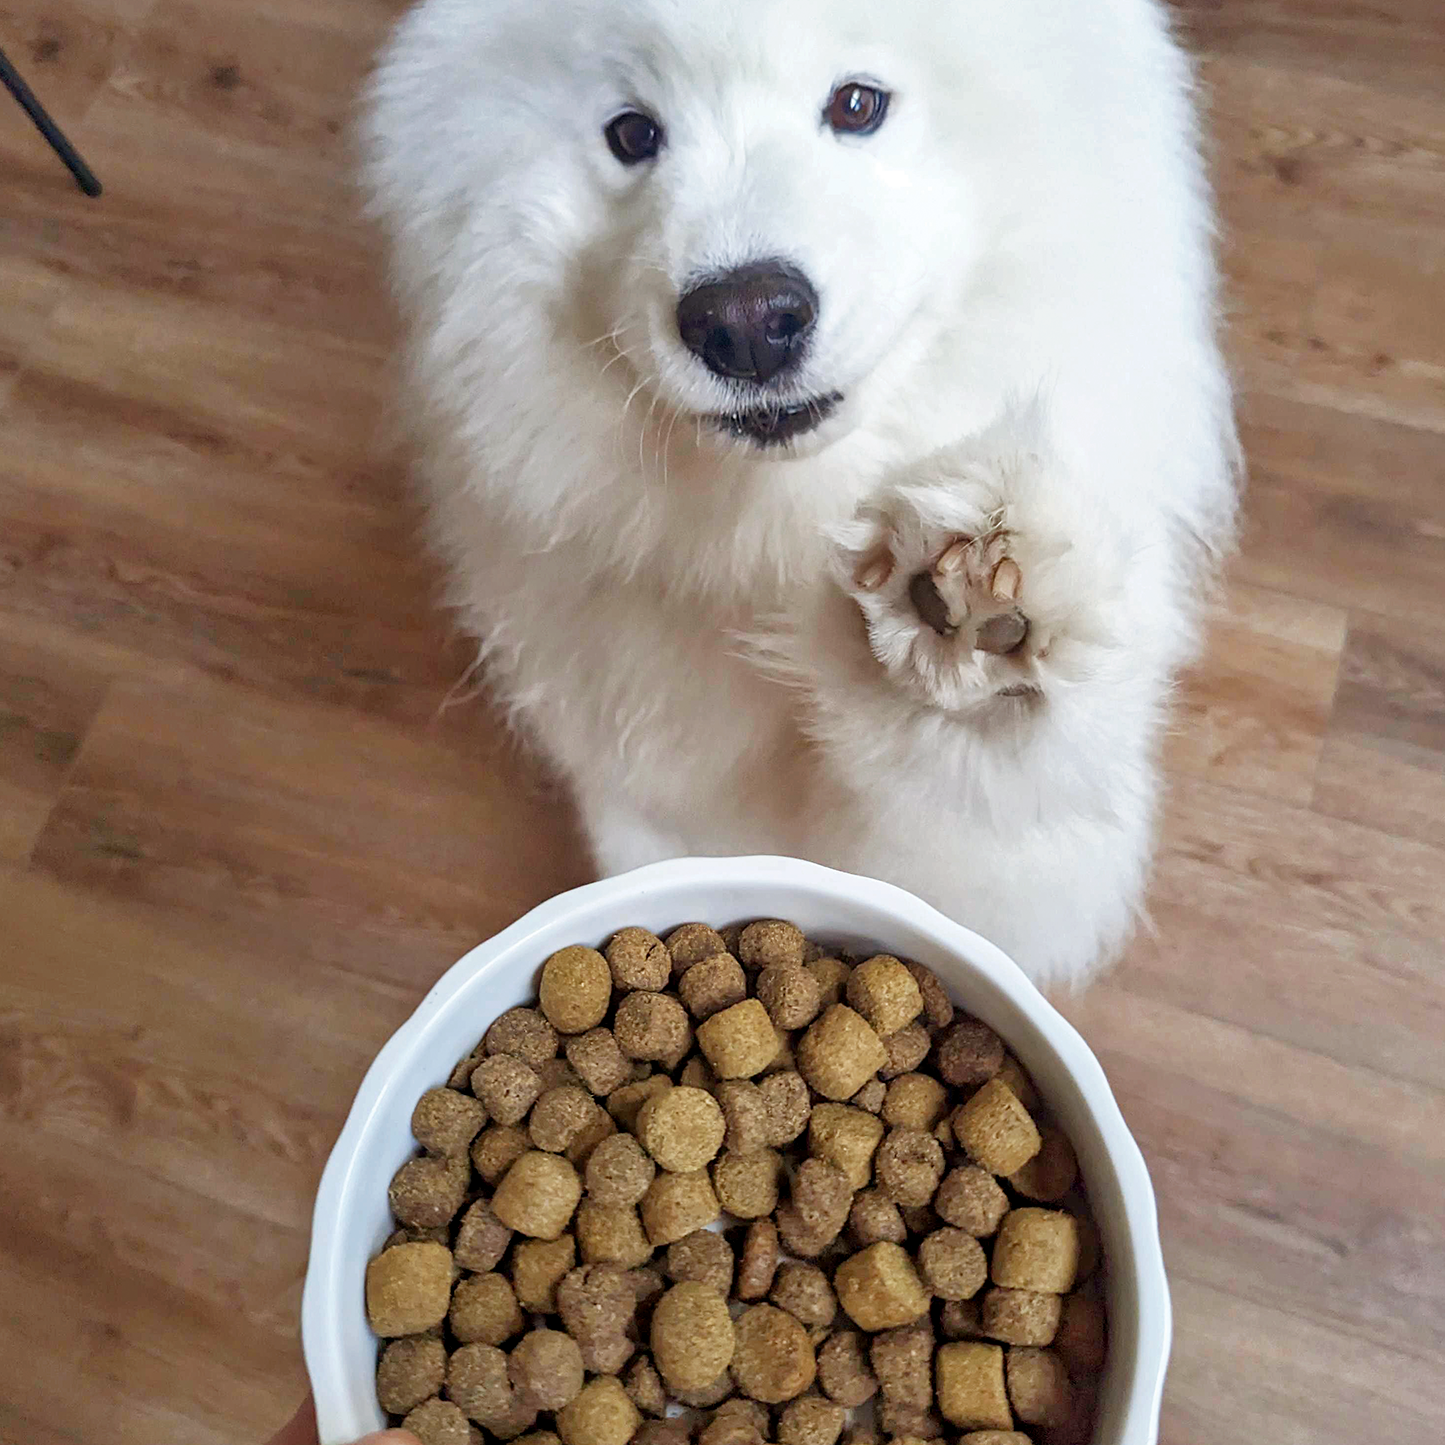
822,419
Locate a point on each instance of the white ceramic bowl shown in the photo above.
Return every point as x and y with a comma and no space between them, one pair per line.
351,1218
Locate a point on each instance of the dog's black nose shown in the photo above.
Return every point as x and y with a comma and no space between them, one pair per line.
751,323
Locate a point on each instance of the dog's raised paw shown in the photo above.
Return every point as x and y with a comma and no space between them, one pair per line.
967,593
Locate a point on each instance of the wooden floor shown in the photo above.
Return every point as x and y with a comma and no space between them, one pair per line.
239,834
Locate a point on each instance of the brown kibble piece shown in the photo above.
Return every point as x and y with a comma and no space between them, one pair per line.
953,1264
788,1106
599,1062
461,1074
597,1127
1012,1073
803,1290
716,1393
408,1288
696,1075
879,1289
1037,1249
663,1432
446,1121
645,1388
909,1166
906,1050
482,1239
738,1421
703,1257
559,1118
626,1103
692,1336
746,1112
611,1234
484,1310
740,1041
600,1415
790,994
773,1361
649,1285
771,941
477,1383
937,1007
885,993
844,1372
576,989
682,1129
545,1367
538,1266
619,1171
427,1191
831,976
438,1422
919,1218
871,1096
1020,1316
995,1437
1081,1341
996,1129
821,1199
597,1304
692,943
759,1262
908,1424
915,1101
1038,1388
847,1137
707,988
410,1371
839,1053
555,1073
638,960
959,1320
971,1198
970,1054
496,1149
507,1087
525,1034
677,1204
874,1218
903,1363
1050,1174
810,1421
652,1026
538,1195
747,1184
970,1384
1090,1248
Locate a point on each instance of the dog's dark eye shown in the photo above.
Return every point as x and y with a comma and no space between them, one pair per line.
857,109
634,137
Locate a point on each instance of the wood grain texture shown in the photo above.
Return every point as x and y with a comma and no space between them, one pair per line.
250,806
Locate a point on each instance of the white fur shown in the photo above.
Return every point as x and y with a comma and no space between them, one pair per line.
1017,301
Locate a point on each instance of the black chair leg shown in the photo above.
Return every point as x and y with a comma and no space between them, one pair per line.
15,84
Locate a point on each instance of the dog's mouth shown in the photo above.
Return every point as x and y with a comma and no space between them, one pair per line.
771,426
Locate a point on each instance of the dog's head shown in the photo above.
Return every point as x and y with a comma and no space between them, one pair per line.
753,215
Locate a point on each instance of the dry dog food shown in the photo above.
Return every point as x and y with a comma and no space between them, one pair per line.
724,1189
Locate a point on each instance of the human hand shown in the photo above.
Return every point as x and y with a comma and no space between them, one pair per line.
302,1431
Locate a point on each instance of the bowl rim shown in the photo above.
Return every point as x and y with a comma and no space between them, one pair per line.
324,1282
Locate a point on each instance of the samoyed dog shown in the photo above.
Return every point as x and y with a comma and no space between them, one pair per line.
820,414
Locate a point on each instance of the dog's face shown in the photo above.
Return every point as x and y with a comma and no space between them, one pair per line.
753,214
776,219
